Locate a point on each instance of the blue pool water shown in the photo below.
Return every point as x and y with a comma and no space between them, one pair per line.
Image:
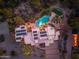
42,20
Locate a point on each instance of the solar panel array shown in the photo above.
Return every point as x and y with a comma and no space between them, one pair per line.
20,32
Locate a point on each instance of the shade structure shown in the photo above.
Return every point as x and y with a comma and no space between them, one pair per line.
42,20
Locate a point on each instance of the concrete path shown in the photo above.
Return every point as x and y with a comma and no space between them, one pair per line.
52,51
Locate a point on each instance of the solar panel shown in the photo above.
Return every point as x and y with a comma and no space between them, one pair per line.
43,35
42,32
35,34
20,34
35,38
34,31
18,38
22,27
20,30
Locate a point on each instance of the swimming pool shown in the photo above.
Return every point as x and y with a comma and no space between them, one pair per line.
42,20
